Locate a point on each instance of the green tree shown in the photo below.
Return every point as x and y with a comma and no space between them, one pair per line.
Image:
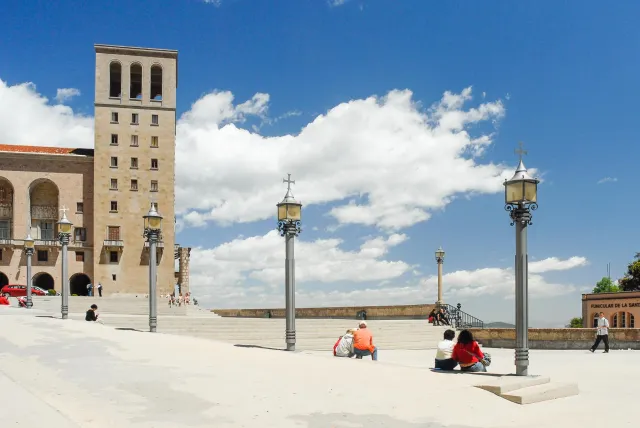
575,323
605,285
631,280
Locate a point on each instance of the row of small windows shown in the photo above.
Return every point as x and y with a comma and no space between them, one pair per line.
134,141
135,118
135,81
134,163
618,320
113,185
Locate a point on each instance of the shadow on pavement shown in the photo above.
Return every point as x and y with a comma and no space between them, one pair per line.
348,420
258,347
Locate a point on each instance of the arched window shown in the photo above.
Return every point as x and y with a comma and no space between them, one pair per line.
135,88
156,83
632,321
115,80
623,320
595,319
614,323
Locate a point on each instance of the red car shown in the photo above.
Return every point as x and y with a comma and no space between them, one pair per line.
13,290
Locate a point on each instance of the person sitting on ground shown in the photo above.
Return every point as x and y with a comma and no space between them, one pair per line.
432,317
444,318
445,349
91,313
468,354
4,300
363,343
344,345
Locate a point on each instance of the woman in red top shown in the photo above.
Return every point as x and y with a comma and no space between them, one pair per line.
467,353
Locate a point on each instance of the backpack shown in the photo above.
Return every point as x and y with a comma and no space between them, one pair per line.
336,345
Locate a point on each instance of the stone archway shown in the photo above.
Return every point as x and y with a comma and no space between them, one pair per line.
78,284
44,281
43,209
4,280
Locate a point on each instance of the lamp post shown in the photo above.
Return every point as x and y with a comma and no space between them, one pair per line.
521,197
289,215
64,233
440,260
152,231
28,252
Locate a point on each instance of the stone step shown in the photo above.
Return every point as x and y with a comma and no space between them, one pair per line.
504,384
539,393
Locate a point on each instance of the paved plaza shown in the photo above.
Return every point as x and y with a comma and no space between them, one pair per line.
78,374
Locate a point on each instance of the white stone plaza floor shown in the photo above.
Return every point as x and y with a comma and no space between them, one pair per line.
67,374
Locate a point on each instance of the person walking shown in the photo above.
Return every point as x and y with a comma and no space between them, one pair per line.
89,289
100,289
602,334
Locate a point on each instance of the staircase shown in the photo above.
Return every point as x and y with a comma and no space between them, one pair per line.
528,389
311,334
129,305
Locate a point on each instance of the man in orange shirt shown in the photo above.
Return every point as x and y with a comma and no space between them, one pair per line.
363,343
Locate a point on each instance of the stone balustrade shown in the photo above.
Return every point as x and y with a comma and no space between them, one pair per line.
349,312
557,338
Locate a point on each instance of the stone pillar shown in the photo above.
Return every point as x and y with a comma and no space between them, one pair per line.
183,267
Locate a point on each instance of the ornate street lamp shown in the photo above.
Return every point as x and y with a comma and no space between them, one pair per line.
289,216
152,231
28,252
440,260
64,234
521,197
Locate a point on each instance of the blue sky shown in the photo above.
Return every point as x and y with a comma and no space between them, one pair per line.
563,73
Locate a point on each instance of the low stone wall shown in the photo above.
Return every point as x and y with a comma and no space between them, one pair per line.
557,338
350,312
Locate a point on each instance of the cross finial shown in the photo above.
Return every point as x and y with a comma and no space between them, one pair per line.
521,151
289,182
64,210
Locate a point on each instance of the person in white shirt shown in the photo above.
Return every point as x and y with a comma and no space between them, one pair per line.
445,348
344,345
602,334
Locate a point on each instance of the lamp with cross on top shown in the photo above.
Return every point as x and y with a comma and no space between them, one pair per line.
521,197
521,191
289,215
64,234
289,211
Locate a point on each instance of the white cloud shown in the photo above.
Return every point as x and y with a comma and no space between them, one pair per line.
380,161
27,118
607,180
554,264
229,270
64,94
249,272
384,161
336,3
216,3
500,281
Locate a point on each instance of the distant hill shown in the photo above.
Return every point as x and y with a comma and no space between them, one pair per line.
499,324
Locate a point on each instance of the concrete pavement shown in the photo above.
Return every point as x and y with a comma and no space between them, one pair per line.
85,374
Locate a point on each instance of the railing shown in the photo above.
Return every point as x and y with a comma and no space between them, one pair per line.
113,243
461,319
6,211
46,243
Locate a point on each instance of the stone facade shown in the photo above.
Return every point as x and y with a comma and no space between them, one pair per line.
41,182
621,309
107,190
134,165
